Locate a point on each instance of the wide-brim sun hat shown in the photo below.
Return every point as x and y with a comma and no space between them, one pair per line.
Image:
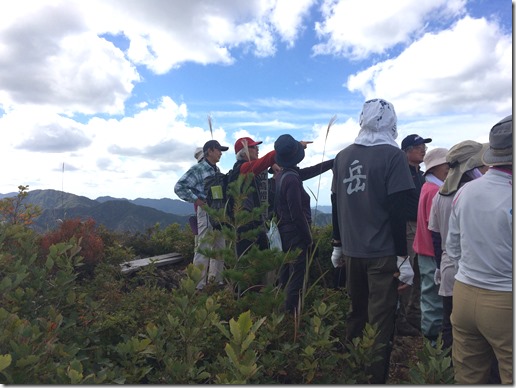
500,144
462,157
434,157
476,160
289,151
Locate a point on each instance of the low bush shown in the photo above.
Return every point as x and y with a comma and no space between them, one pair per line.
57,327
86,236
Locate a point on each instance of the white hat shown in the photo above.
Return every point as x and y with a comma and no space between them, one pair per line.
434,158
198,154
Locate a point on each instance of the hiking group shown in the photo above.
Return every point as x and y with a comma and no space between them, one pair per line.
419,253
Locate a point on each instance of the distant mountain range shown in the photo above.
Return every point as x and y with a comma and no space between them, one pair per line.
118,214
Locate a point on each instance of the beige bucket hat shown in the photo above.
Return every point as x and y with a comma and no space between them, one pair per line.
434,157
462,157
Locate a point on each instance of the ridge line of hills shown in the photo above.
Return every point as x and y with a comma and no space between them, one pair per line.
117,214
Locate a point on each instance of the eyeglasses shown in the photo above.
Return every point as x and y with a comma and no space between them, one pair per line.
254,147
420,147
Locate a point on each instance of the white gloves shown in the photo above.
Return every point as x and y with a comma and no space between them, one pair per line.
337,258
437,276
406,272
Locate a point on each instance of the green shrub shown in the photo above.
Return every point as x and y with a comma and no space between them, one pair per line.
59,328
15,211
434,365
157,241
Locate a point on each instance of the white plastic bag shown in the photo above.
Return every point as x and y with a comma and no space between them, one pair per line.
274,236
406,273
337,258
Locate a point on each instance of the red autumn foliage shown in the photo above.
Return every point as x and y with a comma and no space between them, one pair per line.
92,246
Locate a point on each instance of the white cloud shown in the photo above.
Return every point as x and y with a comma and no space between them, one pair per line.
55,138
287,17
165,34
270,125
147,152
55,54
359,28
70,69
463,69
48,58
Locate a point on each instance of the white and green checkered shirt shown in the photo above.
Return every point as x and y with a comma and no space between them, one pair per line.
191,185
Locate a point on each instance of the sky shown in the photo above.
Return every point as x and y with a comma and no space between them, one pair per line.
111,97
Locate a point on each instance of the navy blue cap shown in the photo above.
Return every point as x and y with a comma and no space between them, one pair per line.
413,140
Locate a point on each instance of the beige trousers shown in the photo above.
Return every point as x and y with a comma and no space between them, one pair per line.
482,324
211,268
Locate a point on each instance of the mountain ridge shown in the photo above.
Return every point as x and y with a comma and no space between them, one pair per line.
117,214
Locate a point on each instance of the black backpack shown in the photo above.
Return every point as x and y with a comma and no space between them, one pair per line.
216,191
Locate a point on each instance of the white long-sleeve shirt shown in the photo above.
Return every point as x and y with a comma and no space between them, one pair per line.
480,232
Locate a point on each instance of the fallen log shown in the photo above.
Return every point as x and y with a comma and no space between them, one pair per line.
134,265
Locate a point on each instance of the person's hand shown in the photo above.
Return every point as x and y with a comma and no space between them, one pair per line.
405,273
437,276
199,202
304,143
337,258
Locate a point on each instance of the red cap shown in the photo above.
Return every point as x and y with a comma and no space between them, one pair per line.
239,144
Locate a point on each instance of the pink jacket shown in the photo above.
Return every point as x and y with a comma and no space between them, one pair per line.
423,239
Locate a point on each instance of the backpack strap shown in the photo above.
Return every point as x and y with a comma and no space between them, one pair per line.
234,176
235,171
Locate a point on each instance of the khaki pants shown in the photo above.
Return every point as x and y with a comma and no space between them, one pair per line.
482,324
211,268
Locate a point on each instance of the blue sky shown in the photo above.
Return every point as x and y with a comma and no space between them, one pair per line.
119,91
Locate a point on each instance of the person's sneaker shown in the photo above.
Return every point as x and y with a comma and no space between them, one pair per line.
406,330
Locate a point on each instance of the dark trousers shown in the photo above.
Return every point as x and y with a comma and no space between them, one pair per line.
409,310
446,326
292,276
373,292
339,277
